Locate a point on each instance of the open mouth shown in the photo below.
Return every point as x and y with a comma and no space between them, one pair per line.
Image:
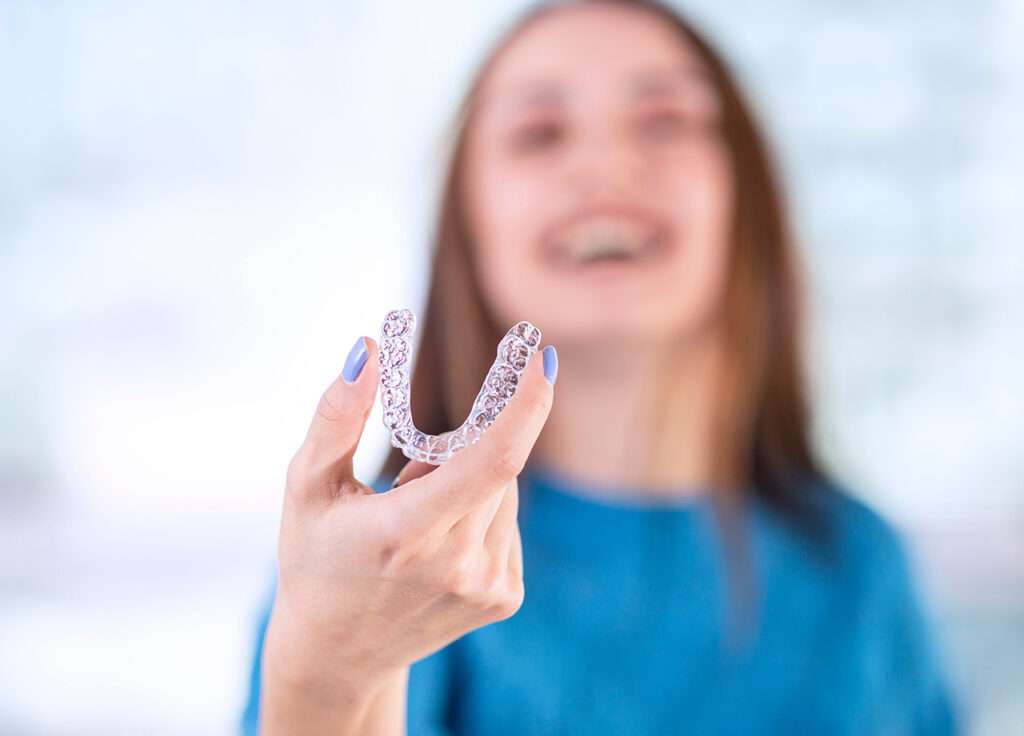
605,241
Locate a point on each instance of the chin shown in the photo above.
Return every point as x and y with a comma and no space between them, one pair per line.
611,327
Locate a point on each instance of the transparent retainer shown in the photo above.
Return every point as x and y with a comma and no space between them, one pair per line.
514,351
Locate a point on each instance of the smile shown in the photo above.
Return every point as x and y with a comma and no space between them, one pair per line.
605,241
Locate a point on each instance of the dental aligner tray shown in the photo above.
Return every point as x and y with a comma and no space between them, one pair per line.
395,356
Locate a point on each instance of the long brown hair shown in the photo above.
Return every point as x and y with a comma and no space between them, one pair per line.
762,444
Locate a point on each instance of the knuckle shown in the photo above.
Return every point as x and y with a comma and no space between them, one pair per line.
509,607
509,600
310,474
517,589
301,469
508,462
516,560
297,469
396,543
459,577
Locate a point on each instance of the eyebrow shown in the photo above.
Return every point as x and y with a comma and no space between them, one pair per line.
532,93
651,83
661,82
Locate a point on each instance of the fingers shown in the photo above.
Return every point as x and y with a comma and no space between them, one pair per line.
515,554
324,459
499,533
476,523
486,467
411,471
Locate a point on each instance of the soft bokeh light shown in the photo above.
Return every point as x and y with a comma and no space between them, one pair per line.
203,205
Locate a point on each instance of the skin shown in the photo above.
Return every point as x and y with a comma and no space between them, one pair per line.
370,583
597,110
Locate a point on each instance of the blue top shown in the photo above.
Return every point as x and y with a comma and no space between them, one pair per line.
627,628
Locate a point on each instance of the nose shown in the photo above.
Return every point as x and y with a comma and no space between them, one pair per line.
603,164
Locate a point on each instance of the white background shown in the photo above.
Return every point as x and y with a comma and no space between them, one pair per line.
202,206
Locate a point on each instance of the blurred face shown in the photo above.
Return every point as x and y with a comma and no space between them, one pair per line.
597,186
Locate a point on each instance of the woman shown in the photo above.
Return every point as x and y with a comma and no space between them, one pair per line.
689,566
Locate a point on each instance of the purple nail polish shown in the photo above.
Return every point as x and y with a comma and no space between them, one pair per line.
550,364
355,361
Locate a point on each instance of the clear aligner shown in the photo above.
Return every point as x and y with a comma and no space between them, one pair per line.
500,385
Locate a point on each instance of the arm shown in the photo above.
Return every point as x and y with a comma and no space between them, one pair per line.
296,705
425,695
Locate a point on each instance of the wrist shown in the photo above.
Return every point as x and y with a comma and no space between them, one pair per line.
305,665
298,697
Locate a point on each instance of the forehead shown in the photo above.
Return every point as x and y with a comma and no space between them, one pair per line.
597,44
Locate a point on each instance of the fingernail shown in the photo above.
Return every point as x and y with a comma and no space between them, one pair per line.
355,361
550,364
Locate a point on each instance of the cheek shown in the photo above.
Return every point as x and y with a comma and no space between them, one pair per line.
702,191
504,207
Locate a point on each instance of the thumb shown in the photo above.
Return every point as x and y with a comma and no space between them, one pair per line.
325,457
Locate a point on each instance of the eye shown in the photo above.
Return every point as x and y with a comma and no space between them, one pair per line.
537,136
666,124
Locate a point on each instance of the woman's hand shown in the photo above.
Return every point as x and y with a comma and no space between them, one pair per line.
371,582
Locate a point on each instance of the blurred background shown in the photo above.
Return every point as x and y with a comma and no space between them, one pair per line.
203,204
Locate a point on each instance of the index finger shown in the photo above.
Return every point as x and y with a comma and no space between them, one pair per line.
338,423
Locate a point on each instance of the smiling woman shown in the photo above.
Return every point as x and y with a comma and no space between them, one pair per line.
690,566
664,112
615,120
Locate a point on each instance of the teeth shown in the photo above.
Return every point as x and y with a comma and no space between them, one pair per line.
605,237
604,250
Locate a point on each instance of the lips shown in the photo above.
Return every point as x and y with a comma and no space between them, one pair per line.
605,240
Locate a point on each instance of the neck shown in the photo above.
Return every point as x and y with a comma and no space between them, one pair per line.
636,418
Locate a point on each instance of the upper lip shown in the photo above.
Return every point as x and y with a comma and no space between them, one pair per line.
583,234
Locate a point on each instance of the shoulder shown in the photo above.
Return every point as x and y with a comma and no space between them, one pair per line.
852,533
846,544
875,570
859,531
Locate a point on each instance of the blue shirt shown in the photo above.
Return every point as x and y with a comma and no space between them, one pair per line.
630,626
